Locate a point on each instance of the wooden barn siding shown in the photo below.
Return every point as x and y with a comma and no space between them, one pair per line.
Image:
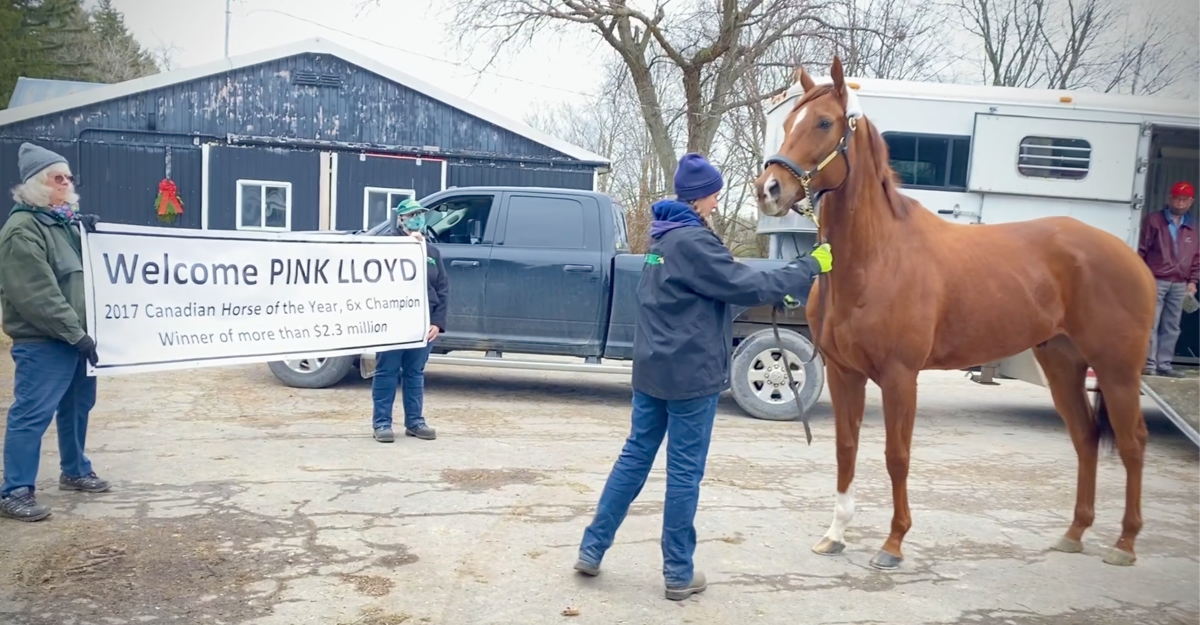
262,101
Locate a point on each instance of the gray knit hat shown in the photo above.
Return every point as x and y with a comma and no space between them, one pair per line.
34,158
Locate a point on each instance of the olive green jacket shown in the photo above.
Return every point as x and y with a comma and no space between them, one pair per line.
41,277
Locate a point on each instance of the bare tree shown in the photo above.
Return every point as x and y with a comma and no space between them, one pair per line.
1076,44
1012,38
703,47
900,39
1153,57
613,127
1069,52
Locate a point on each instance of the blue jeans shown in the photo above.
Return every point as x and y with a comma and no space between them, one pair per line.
405,367
689,423
1168,315
51,377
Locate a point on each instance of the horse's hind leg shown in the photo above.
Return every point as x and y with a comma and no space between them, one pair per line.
1066,373
1122,396
899,412
847,389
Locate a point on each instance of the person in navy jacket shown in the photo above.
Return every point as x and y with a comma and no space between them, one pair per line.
681,359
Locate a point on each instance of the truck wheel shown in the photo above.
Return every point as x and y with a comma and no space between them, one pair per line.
312,372
759,381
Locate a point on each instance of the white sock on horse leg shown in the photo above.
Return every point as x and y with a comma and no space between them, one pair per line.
843,512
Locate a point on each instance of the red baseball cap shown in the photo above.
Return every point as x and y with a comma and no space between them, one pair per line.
1183,189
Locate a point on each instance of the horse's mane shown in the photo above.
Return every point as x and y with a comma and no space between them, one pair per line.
876,159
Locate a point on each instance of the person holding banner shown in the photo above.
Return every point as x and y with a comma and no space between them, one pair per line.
42,297
406,367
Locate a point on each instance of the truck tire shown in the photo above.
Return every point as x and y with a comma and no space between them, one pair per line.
312,372
759,381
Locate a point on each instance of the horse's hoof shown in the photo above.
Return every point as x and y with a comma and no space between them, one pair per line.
1068,545
1120,557
885,561
829,547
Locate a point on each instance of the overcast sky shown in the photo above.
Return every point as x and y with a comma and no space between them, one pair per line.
414,36
406,34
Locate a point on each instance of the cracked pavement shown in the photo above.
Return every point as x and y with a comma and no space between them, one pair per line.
237,500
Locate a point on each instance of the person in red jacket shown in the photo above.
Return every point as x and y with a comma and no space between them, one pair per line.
1171,248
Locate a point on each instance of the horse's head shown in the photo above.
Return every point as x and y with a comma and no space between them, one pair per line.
817,134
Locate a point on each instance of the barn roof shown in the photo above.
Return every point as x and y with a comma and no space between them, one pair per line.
103,93
33,90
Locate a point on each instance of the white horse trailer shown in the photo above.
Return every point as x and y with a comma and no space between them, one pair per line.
998,154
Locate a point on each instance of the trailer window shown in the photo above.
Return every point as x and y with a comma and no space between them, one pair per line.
1054,157
925,161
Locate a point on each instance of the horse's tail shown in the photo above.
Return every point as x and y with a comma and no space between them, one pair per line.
1104,428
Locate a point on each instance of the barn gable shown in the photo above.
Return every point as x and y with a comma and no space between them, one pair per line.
332,138
314,91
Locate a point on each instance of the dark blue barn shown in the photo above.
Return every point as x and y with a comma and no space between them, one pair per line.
310,136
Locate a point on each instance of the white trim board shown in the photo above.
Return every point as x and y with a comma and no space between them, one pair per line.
313,46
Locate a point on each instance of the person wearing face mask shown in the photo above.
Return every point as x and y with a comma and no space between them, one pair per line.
681,353
41,294
406,367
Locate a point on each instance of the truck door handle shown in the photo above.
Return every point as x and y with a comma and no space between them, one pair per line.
579,268
464,263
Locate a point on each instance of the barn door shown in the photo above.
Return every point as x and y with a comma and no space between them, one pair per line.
1059,158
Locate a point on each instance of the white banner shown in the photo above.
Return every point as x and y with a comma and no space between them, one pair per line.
166,298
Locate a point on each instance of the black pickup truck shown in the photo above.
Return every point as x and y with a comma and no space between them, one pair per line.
540,273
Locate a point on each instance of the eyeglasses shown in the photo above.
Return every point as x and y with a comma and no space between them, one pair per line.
63,178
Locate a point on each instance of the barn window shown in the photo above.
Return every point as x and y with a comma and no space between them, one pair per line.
264,205
377,201
926,161
1054,157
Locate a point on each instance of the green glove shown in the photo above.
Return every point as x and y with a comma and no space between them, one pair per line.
824,256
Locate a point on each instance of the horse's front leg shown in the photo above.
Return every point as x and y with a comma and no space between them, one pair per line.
899,412
846,389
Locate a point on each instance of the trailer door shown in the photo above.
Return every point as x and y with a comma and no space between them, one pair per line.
1054,157
1030,167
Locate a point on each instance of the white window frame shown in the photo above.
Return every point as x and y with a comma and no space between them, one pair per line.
262,215
367,191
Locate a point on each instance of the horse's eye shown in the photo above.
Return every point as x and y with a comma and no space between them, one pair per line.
825,123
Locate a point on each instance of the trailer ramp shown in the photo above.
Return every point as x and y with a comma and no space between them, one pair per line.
1179,399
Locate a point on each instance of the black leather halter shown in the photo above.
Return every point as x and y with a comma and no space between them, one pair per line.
805,176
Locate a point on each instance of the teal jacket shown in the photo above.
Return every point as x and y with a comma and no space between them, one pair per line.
41,277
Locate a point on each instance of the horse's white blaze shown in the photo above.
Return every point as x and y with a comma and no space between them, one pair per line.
798,118
843,511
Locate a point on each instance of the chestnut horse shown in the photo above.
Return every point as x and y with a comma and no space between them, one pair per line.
910,291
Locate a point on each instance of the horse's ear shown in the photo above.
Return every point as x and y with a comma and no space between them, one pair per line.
804,79
839,80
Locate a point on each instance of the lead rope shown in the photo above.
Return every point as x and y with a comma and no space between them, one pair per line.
811,213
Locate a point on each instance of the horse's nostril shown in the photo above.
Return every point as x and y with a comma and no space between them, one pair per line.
773,188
